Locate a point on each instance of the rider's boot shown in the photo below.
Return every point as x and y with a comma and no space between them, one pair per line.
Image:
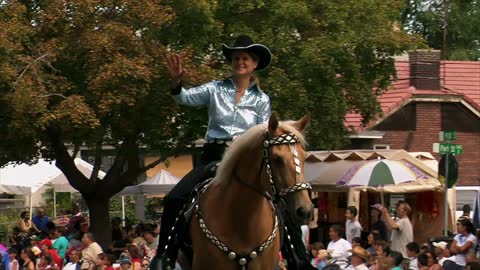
296,253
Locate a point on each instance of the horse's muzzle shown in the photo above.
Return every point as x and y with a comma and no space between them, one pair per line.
305,214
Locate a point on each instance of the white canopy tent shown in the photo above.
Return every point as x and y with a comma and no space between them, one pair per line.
160,183
25,179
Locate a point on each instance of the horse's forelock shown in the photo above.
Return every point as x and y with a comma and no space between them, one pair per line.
288,127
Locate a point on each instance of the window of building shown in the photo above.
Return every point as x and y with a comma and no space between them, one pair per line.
381,146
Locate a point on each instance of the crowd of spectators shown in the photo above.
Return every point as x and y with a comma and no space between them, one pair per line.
66,244
399,251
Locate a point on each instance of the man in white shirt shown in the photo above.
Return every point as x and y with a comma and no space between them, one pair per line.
90,252
442,252
338,248
358,259
401,228
352,226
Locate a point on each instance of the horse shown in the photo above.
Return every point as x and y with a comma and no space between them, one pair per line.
234,224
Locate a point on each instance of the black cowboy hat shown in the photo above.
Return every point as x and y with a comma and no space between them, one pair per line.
246,43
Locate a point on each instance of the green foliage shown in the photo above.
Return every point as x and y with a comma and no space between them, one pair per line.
461,18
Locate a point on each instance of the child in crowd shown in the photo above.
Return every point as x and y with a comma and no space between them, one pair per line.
358,242
99,262
49,262
314,248
322,259
125,264
13,265
413,249
108,261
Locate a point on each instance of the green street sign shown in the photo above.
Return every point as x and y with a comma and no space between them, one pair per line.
447,135
449,148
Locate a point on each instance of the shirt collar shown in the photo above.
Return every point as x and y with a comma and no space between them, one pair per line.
253,84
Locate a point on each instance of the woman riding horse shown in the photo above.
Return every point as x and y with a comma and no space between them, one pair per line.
234,105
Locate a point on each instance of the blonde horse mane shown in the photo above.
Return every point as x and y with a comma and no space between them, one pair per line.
250,140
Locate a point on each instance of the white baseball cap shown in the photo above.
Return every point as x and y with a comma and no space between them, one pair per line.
441,244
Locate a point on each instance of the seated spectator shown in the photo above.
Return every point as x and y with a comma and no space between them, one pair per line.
413,249
464,242
125,264
133,253
339,247
314,248
397,259
60,242
26,226
358,259
385,263
74,256
108,261
99,264
422,261
382,249
13,265
28,259
75,221
442,251
322,259
371,239
90,252
41,220
151,243
47,248
432,261
49,262
357,241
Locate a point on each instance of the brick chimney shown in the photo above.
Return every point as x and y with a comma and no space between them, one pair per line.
425,69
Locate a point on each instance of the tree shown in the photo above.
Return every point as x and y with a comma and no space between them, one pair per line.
460,20
90,74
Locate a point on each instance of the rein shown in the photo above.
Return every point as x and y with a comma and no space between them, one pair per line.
243,260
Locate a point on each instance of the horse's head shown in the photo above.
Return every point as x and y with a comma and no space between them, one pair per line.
284,155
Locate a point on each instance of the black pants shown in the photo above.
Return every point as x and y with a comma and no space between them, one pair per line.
178,196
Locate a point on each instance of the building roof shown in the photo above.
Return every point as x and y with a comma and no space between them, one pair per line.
460,80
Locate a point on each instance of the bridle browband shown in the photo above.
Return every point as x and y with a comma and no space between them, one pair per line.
243,260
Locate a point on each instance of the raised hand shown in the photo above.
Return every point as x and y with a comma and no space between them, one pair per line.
175,69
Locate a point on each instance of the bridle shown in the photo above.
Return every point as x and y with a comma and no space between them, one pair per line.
289,139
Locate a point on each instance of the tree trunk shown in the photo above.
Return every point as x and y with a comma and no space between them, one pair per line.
99,206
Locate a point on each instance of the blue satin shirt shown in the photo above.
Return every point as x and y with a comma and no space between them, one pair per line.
227,118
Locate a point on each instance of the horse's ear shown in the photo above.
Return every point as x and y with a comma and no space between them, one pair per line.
301,124
273,123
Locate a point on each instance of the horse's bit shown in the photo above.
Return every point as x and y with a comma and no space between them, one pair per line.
291,140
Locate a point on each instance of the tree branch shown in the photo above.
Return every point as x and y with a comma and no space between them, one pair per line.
28,67
65,162
153,164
